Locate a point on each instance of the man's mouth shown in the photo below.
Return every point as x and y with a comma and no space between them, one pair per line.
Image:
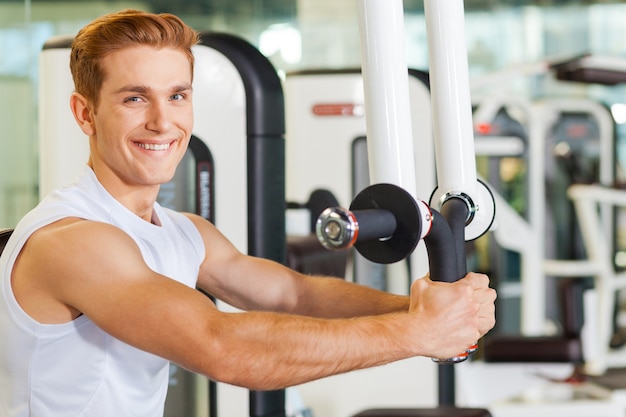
154,146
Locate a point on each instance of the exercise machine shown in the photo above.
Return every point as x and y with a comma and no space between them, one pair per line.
325,119
583,383
385,221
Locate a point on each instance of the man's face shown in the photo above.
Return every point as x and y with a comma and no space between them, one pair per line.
143,122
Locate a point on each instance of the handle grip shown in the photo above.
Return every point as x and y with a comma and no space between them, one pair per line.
338,228
384,223
447,241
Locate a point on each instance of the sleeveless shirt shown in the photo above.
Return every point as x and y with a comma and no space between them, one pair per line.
76,369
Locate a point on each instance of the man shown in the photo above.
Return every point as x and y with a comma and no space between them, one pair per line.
99,281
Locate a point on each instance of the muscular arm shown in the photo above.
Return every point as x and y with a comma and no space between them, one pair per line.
252,283
61,272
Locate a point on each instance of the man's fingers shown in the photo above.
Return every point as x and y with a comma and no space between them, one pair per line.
477,280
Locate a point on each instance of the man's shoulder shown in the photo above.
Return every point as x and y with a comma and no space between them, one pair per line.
77,231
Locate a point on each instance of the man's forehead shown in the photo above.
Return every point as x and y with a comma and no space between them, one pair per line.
136,66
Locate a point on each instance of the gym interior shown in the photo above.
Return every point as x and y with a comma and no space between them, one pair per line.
548,130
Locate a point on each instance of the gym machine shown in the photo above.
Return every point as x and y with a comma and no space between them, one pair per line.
567,374
324,110
385,221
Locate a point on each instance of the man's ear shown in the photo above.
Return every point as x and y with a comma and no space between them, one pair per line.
82,111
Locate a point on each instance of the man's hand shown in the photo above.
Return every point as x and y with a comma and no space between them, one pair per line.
450,317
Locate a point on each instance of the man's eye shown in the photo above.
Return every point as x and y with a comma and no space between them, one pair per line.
133,99
177,97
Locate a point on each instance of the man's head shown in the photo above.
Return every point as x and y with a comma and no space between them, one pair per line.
117,31
133,75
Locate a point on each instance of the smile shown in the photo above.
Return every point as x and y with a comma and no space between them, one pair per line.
154,146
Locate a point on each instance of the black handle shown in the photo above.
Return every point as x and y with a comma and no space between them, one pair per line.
446,242
383,223
446,259
375,224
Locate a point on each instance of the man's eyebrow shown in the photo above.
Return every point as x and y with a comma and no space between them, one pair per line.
143,89
133,89
182,87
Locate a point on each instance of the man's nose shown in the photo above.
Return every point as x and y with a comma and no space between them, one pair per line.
159,117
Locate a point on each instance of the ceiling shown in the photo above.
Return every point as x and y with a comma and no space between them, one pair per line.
268,8
274,7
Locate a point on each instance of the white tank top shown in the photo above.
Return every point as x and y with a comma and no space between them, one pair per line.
76,369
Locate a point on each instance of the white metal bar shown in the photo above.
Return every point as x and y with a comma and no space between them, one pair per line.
533,302
449,84
386,88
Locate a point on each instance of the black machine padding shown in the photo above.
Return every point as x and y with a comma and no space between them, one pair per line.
441,411
5,234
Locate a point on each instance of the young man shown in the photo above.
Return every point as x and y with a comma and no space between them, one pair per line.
98,281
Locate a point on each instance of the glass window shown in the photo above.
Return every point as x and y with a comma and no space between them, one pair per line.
300,34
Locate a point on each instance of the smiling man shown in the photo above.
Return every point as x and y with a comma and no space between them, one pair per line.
98,281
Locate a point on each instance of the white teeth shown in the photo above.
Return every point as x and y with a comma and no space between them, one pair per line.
154,146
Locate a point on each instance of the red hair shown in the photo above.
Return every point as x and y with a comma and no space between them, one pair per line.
117,31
